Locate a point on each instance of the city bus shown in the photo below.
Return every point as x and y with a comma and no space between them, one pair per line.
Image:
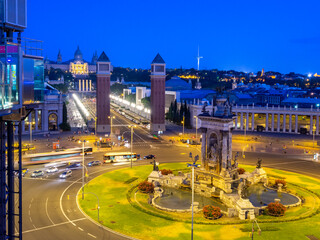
87,150
119,157
58,156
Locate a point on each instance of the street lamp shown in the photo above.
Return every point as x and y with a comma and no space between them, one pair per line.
95,126
193,165
131,126
313,134
183,125
98,205
83,143
196,117
111,117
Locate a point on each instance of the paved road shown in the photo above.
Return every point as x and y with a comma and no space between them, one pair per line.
49,206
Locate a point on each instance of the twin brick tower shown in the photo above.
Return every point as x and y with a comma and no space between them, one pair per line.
158,79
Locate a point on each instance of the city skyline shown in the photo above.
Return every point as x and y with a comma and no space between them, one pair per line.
239,36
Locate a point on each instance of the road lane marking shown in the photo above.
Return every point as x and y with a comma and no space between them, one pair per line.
55,225
47,212
80,229
91,235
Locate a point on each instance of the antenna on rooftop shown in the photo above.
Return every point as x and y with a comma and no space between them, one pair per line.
198,58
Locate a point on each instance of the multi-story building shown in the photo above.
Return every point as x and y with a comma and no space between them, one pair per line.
79,68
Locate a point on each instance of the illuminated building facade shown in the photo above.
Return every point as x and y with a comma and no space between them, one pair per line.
79,68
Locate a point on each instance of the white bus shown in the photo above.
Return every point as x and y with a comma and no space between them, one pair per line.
119,157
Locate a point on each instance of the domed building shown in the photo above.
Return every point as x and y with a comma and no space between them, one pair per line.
78,66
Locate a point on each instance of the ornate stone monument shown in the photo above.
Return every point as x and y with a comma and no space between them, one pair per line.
217,169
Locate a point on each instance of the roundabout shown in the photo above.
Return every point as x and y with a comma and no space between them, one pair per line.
126,210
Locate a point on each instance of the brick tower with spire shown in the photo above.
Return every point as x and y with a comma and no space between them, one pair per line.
104,69
158,83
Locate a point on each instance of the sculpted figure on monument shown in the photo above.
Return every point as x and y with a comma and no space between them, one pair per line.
259,163
213,153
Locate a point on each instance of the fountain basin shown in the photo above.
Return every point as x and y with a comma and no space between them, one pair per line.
260,196
180,200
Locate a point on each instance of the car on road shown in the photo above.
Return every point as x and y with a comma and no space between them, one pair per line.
94,163
37,173
150,156
66,174
74,165
52,170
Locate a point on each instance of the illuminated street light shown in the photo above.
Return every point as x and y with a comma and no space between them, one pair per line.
131,126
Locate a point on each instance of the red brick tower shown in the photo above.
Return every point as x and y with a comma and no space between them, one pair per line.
158,84
103,94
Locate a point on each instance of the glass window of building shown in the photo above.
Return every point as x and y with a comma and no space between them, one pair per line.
9,77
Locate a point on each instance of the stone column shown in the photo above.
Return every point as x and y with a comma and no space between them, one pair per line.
296,124
90,87
87,87
224,153
236,121
36,119
272,122
241,121
290,123
284,122
278,123
311,125
252,121
79,85
203,147
267,122
247,121
317,125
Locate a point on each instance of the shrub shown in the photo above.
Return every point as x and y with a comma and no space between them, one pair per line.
211,212
276,209
282,181
65,126
241,170
165,171
146,187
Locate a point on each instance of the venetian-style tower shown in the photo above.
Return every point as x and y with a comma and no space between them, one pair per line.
104,69
158,82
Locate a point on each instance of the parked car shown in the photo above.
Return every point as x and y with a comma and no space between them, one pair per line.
66,174
37,173
52,170
94,163
149,156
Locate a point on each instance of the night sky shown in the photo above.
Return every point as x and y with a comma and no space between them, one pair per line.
278,35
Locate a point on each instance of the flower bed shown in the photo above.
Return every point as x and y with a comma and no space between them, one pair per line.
276,209
146,187
211,212
165,171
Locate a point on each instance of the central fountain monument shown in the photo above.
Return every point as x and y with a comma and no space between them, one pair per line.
218,175
217,169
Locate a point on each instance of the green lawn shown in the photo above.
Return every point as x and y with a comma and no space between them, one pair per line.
145,222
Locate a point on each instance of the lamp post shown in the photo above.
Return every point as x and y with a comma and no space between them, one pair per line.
193,165
196,117
98,205
83,143
183,125
131,126
313,134
95,126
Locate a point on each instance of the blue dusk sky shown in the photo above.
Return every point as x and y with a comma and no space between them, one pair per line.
242,35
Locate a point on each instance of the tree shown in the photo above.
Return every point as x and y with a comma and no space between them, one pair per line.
146,102
131,98
117,88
